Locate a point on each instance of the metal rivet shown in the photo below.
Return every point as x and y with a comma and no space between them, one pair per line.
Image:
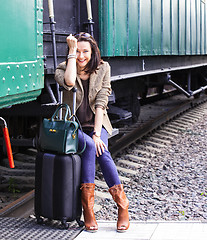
38,32
40,65
13,77
30,75
26,85
8,89
39,45
17,66
8,67
33,84
41,33
17,87
37,74
26,66
33,65
22,76
3,78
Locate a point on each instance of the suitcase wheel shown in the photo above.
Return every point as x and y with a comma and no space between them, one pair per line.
80,223
39,220
65,225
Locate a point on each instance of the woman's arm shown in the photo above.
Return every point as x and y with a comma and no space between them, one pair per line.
70,72
100,146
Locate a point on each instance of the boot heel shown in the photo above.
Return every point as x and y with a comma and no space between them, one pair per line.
92,229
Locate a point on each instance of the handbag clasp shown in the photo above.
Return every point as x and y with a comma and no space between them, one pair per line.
52,130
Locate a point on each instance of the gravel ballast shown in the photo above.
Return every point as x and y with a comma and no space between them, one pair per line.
172,185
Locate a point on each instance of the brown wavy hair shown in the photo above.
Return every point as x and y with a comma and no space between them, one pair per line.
95,60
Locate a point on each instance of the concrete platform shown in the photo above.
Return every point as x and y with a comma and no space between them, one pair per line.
28,229
182,230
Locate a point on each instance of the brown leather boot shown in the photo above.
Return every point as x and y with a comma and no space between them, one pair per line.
87,199
120,198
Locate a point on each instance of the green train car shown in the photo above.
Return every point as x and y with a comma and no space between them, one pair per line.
148,43
152,27
156,42
21,51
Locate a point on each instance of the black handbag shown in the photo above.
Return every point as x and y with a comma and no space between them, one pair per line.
60,136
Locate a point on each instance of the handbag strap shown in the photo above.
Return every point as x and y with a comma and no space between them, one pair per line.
84,147
62,105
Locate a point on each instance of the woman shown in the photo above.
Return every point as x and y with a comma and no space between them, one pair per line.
85,70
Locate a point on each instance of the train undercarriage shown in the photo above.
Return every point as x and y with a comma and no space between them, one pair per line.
125,102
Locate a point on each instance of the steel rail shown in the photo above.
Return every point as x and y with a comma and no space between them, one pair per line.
21,208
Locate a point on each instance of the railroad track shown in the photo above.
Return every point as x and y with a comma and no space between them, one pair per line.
154,129
141,152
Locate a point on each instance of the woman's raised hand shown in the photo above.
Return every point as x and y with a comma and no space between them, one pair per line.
72,42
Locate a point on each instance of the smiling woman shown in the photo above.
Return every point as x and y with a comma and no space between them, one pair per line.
83,55
85,70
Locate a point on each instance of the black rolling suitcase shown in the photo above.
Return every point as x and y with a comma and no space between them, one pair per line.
57,188
57,185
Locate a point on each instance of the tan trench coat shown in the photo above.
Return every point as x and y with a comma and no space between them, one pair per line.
99,90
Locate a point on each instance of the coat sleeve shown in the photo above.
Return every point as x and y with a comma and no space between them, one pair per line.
59,75
105,91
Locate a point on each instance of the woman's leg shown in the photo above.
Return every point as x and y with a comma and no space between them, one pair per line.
110,173
88,158
87,177
107,164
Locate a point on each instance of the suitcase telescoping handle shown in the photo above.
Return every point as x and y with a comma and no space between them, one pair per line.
74,90
7,142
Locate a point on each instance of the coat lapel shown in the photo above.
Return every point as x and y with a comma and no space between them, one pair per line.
80,94
92,83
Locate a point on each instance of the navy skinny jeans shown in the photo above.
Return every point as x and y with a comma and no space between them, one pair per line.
105,160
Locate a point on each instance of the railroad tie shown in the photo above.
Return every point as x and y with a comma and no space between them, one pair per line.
154,143
131,164
152,148
170,134
102,194
144,152
163,135
127,171
137,158
101,184
160,140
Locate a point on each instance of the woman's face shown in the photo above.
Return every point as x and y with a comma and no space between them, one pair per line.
83,54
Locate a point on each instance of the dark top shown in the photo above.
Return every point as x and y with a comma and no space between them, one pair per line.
84,112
